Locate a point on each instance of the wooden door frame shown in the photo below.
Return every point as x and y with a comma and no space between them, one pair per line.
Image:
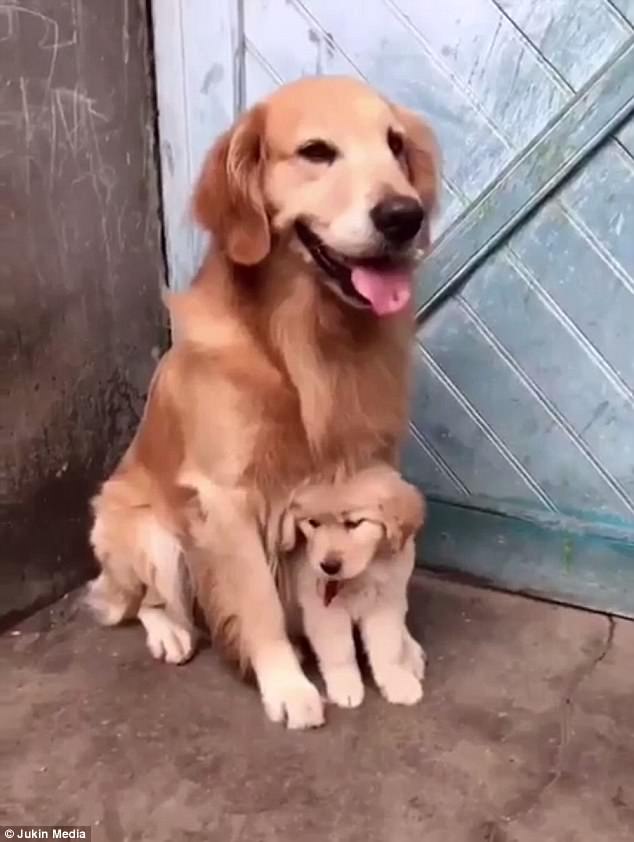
198,59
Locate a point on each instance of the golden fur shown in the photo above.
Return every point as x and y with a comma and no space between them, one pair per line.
272,378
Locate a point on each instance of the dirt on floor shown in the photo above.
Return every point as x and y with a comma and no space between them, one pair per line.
526,734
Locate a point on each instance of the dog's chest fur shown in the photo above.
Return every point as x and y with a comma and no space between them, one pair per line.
286,383
348,395
307,430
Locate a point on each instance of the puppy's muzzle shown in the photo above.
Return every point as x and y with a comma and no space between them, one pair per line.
331,565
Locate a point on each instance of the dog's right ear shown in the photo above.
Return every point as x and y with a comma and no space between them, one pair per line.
228,199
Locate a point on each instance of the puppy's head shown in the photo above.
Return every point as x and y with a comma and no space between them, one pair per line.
341,528
338,545
331,169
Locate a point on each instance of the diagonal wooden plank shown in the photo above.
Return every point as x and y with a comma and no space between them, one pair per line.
625,7
601,107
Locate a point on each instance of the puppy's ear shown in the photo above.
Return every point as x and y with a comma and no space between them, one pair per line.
403,515
287,537
228,199
422,155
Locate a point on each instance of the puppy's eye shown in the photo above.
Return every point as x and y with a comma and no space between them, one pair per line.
352,524
318,152
395,142
314,523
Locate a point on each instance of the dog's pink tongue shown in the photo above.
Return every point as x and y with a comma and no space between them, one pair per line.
387,290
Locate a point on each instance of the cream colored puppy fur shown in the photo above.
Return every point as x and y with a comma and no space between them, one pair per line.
346,554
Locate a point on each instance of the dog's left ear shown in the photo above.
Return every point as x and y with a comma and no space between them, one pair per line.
287,536
403,515
422,155
228,199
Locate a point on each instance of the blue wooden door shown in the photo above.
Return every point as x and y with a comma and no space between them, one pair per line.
522,428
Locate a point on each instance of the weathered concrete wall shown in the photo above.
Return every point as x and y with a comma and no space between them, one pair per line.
80,275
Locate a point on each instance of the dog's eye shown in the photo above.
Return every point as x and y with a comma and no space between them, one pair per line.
313,523
395,142
352,524
318,152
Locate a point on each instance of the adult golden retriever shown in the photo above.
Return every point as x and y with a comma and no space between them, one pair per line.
290,361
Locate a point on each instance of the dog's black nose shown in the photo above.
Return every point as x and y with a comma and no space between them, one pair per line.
331,565
398,218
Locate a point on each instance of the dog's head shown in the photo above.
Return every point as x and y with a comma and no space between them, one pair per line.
342,527
333,170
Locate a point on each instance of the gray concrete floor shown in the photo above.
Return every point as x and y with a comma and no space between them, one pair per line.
526,733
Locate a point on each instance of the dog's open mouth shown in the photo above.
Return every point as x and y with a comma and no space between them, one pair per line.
379,283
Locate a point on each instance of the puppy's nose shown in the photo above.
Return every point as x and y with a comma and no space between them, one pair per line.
331,565
398,218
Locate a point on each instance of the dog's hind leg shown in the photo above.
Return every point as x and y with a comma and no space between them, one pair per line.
109,602
116,594
143,575
167,607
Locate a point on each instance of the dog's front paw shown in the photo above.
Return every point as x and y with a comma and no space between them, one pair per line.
344,686
292,699
400,686
414,658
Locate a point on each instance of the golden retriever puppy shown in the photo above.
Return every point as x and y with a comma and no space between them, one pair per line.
346,556
291,361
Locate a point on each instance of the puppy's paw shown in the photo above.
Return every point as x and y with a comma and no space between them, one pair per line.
400,686
414,658
167,640
344,686
291,698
